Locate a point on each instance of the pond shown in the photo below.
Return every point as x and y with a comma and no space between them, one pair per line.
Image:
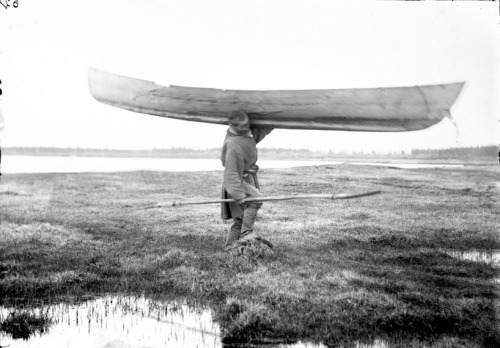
59,164
73,164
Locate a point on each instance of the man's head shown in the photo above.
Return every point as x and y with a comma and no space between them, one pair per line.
239,121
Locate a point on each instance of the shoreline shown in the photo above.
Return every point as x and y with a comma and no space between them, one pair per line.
479,155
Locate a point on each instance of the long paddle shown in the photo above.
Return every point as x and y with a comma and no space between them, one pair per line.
264,199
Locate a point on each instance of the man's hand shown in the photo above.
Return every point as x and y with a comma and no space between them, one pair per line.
239,201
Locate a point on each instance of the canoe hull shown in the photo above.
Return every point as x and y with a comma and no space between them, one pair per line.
393,109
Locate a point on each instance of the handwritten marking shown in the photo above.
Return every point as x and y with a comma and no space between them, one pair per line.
6,3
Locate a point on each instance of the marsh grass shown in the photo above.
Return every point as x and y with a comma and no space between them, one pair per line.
23,325
343,271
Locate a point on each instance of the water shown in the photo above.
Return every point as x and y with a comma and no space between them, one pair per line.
73,164
490,257
113,321
125,322
410,165
55,164
121,322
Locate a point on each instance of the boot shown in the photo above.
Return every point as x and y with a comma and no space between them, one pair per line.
234,232
249,216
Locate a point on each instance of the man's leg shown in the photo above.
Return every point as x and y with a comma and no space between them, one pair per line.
235,231
250,213
249,217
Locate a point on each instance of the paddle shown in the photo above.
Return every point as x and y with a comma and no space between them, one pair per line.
265,199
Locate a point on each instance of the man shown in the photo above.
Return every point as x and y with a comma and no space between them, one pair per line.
239,155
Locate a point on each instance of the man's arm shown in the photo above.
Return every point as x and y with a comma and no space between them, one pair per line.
233,165
260,133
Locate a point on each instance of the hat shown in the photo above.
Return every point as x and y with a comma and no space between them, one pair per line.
236,117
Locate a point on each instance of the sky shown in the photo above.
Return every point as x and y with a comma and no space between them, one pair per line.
47,47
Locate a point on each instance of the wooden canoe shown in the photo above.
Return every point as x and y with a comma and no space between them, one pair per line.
394,109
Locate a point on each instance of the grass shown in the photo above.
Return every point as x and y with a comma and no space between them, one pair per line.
23,325
342,271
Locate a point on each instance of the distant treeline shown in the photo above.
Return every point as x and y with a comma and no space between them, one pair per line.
176,152
457,153
465,153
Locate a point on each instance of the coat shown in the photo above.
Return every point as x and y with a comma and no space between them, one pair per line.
239,156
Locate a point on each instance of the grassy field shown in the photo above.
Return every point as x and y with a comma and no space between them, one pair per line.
356,270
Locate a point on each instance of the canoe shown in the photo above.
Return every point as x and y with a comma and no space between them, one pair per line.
392,109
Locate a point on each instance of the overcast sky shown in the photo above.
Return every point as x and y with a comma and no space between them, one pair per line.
46,48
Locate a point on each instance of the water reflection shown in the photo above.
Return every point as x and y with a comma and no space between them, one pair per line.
112,322
120,322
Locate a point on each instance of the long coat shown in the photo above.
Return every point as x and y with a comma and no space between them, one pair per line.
239,155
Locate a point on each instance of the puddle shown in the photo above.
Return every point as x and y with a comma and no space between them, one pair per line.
491,257
120,322
125,322
488,257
